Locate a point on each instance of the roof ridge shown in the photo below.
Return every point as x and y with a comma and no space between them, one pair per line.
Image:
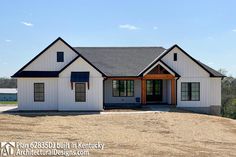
120,47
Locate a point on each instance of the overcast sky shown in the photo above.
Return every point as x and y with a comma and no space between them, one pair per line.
205,29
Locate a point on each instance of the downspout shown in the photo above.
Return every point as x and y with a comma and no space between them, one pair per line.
176,85
104,79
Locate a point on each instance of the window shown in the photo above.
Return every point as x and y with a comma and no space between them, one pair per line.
123,88
190,91
60,56
39,92
130,88
80,92
175,56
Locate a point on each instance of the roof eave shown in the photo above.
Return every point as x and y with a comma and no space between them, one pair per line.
59,38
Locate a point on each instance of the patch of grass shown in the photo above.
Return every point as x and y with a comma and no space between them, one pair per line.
8,102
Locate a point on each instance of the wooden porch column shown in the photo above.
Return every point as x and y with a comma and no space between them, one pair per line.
173,92
143,91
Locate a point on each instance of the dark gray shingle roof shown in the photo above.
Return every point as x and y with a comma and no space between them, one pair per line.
127,61
120,61
213,72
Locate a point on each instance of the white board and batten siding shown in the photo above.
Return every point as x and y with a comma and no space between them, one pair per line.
94,95
48,60
26,94
210,87
110,99
210,92
58,92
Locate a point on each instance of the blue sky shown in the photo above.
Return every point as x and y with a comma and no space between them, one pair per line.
205,29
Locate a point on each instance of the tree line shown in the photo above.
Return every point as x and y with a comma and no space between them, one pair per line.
228,96
7,83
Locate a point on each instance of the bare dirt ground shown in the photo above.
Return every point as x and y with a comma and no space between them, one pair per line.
152,134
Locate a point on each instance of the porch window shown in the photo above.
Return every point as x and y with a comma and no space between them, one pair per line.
123,88
80,92
38,92
190,91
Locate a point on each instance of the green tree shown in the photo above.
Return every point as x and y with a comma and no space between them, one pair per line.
228,95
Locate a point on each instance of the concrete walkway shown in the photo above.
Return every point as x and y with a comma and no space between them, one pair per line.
144,109
130,112
9,109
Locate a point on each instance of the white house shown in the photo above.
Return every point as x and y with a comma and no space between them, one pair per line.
66,78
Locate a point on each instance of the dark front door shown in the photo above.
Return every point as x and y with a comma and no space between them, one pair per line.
154,90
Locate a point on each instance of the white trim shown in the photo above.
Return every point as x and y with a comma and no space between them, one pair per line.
152,62
74,62
170,71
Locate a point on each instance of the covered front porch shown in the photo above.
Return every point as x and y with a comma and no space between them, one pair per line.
158,89
156,86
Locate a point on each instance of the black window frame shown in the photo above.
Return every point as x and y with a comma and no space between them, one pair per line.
175,57
189,91
39,100
126,88
80,92
60,56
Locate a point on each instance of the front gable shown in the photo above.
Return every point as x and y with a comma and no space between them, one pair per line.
79,65
185,65
47,61
161,68
158,70
182,63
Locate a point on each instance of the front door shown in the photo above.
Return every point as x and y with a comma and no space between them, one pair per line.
154,90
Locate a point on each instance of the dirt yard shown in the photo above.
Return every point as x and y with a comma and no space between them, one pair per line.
152,134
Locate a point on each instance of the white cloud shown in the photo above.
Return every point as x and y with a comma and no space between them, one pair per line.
155,27
27,24
129,27
7,40
234,30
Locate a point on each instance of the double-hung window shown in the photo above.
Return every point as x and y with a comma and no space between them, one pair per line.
39,92
80,92
123,88
190,91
